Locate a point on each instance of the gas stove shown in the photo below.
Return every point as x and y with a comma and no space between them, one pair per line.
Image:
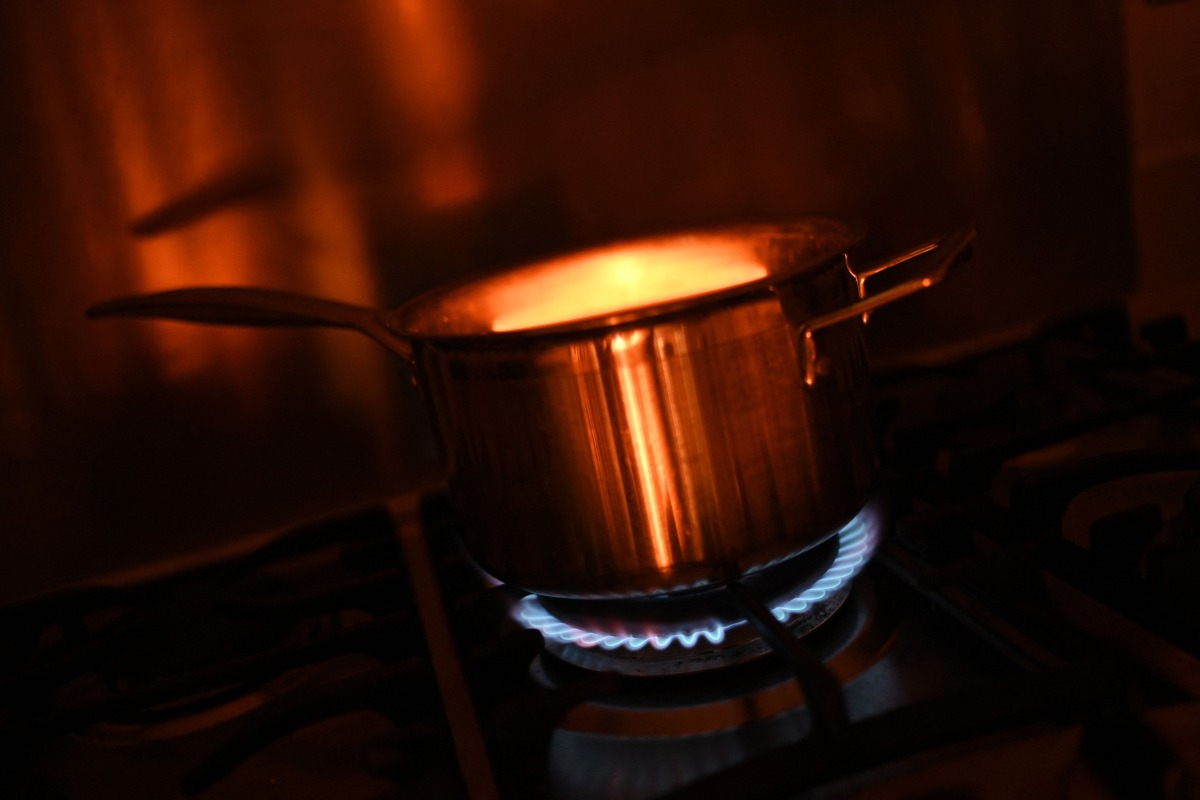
1018,611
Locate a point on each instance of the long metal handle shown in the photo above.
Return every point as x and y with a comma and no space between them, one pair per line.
952,250
229,305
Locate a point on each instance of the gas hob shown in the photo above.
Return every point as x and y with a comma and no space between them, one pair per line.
1026,621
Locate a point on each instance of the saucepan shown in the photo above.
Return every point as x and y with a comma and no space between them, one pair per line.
653,416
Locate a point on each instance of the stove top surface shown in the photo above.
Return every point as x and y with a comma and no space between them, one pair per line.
1029,622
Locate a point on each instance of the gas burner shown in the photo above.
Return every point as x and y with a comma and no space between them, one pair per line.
755,692
697,632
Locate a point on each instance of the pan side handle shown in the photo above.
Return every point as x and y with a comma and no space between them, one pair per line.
945,254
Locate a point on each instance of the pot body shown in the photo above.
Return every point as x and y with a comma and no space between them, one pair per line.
661,455
647,417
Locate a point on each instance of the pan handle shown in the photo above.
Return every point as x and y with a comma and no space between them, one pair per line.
228,305
951,251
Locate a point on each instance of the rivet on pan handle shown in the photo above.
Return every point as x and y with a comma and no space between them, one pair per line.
951,250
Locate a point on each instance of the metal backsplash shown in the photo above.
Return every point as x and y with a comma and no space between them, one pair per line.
367,150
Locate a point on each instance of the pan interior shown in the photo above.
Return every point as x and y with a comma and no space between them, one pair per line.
614,279
629,280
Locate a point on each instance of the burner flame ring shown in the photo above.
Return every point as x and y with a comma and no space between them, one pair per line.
856,542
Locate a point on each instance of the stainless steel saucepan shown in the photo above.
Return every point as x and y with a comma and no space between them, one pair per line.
648,417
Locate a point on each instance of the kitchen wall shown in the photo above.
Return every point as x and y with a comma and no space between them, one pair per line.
1164,105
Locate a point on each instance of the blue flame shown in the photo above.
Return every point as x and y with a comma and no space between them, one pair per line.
856,542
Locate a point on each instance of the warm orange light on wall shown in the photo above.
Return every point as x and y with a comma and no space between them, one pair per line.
434,71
